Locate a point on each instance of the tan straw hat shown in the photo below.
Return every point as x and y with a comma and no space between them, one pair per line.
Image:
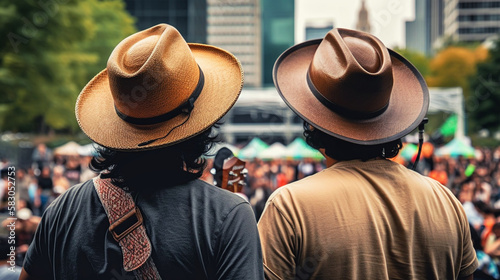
352,87
158,90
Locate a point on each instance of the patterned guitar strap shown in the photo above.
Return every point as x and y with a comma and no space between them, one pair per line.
127,228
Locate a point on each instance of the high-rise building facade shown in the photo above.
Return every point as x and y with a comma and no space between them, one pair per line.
418,30
471,20
188,16
317,29
436,24
425,31
234,25
255,31
278,33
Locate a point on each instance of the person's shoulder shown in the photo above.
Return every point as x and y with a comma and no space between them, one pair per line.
436,185
219,202
78,189
78,193
294,190
429,187
324,176
214,193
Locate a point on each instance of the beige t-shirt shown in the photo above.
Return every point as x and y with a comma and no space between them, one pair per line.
366,220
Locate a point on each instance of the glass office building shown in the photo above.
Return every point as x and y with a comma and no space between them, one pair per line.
277,33
471,20
188,16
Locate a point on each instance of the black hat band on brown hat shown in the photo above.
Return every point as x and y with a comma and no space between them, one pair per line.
345,112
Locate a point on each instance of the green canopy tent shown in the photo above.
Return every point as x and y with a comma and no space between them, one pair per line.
252,149
457,147
275,151
299,149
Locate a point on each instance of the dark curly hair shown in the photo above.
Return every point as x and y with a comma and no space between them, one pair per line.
170,165
342,150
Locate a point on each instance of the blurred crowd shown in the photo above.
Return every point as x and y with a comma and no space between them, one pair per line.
474,180
36,187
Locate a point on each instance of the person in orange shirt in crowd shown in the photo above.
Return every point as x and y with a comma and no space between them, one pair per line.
439,173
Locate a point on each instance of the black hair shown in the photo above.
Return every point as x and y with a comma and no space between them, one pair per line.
342,150
482,207
170,165
476,239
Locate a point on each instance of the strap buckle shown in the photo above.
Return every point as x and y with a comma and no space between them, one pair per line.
126,224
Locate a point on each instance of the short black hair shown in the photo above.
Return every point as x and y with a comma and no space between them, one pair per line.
342,150
175,164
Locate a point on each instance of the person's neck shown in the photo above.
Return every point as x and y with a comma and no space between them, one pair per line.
329,161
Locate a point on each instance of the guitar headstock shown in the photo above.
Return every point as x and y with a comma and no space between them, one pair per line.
233,174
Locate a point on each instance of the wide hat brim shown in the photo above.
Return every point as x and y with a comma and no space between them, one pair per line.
407,106
97,117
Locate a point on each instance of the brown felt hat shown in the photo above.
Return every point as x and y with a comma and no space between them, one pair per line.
352,87
158,90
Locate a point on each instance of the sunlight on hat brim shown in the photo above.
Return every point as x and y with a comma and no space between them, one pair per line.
96,114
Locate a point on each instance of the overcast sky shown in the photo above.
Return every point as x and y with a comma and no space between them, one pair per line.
387,17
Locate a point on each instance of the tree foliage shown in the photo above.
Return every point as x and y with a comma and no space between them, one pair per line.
50,49
454,66
482,105
419,60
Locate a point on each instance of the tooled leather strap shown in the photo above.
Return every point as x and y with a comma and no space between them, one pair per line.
126,226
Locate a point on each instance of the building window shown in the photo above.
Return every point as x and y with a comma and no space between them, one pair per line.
479,5
478,30
475,18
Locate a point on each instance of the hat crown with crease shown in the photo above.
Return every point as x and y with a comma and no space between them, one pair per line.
353,72
157,90
350,86
152,72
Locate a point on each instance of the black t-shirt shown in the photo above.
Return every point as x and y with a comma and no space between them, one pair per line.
197,231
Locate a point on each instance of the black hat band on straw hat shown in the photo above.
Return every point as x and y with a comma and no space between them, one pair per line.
185,107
